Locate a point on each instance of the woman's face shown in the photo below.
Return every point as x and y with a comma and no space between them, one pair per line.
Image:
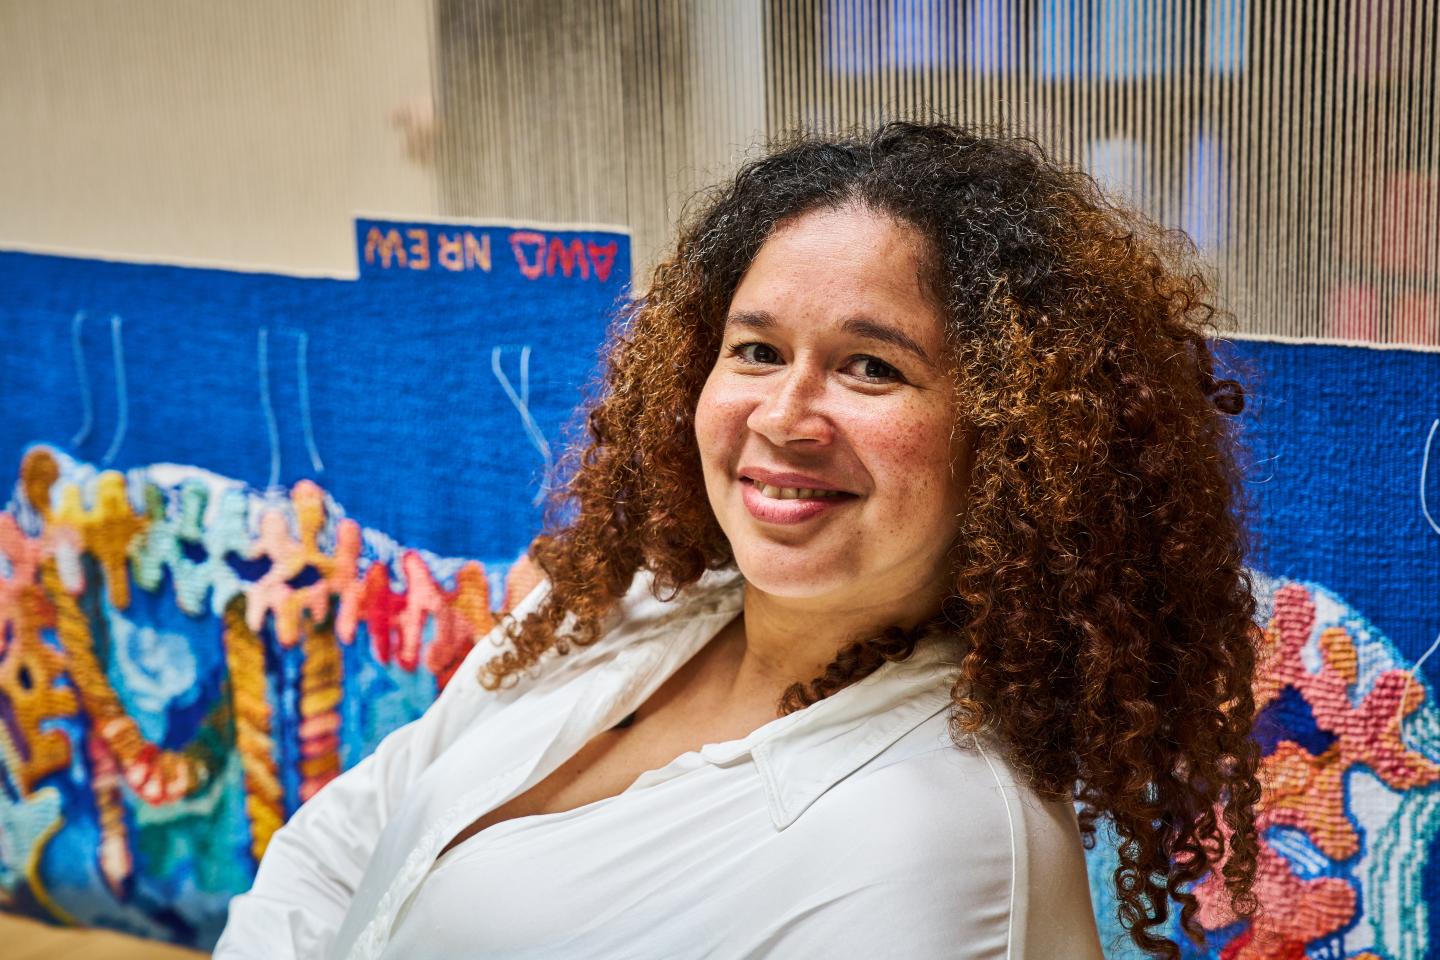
831,369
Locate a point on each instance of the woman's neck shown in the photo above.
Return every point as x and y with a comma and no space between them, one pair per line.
777,641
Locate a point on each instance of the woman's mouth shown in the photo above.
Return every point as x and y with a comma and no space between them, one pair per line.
774,504
794,493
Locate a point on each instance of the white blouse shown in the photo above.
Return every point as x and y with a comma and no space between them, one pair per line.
852,828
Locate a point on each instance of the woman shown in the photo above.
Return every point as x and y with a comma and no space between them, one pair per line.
907,519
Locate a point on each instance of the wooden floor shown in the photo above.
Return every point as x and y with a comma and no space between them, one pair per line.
24,939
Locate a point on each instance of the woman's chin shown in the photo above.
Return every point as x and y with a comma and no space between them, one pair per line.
796,576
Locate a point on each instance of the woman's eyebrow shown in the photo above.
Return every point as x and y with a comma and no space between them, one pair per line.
753,319
875,330
860,326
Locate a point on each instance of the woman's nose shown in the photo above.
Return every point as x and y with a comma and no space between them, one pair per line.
789,408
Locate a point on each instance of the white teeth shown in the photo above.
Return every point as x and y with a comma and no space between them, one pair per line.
794,493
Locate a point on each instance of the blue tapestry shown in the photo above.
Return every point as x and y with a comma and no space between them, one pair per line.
258,520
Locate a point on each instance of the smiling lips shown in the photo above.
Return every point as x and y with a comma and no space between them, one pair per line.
796,493
774,504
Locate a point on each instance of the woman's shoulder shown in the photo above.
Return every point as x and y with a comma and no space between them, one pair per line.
640,606
645,603
949,788
958,825
636,613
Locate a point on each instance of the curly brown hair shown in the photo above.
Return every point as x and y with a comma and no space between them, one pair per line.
1098,579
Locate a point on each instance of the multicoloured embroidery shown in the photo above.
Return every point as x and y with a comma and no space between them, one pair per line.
1351,808
193,638
248,665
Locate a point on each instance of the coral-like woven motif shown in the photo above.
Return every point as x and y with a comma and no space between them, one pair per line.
173,686
1351,807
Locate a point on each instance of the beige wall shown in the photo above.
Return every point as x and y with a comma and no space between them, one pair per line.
248,134
244,134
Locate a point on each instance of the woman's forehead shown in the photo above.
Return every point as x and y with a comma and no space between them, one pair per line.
853,228
849,270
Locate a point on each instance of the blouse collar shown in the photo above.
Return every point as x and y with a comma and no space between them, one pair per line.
803,754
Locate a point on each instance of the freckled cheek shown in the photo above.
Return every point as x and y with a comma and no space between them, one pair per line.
720,418
909,465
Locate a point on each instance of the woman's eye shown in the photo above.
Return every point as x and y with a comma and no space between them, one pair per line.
868,364
764,349
873,369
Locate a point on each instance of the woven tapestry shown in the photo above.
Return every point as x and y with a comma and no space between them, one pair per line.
256,522
1345,443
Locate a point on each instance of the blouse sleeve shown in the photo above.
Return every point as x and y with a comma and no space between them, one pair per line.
313,863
